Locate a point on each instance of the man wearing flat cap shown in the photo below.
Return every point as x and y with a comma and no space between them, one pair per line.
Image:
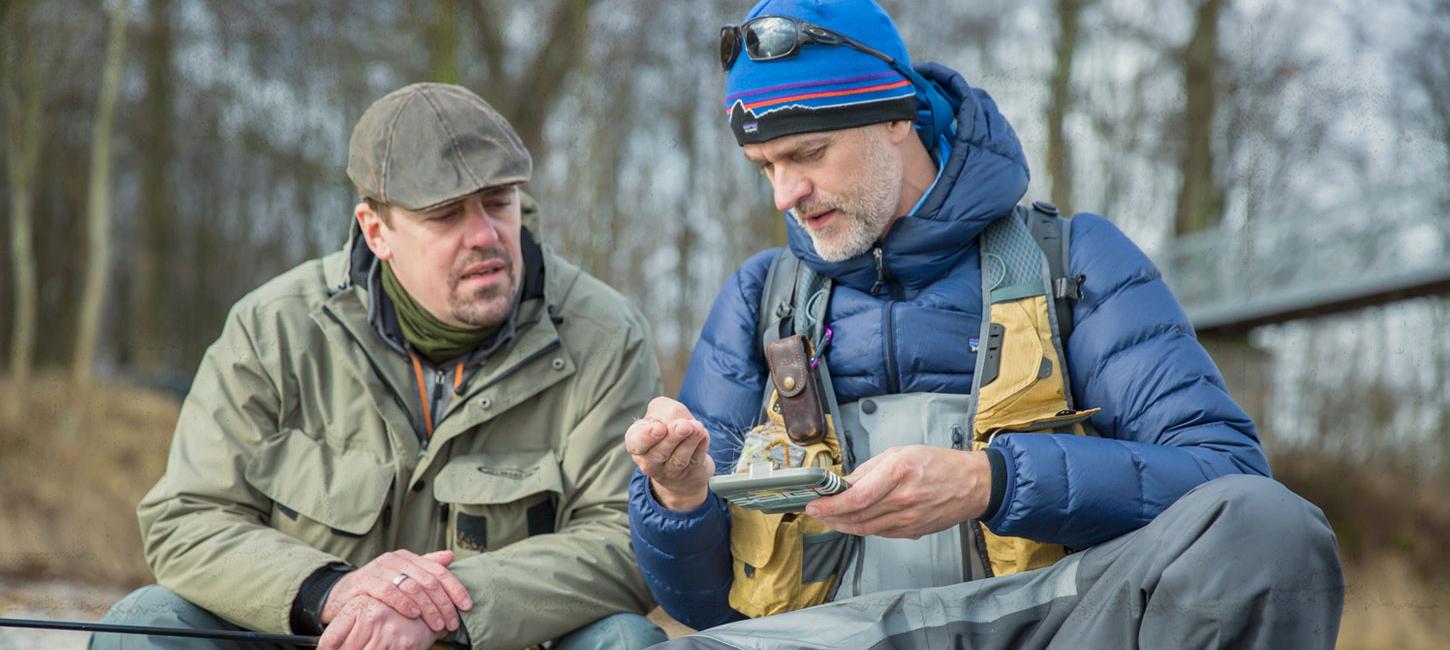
415,439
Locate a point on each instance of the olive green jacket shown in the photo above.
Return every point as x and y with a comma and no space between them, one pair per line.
296,449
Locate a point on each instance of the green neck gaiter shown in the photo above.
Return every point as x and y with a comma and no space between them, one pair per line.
434,339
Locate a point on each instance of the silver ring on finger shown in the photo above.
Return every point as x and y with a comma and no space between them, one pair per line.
398,580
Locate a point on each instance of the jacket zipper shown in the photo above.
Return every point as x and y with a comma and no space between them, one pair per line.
876,255
432,407
438,384
892,384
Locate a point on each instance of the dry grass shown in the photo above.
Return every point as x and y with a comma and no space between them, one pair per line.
1378,513
1387,604
1392,535
73,465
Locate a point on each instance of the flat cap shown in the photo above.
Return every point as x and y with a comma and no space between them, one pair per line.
428,144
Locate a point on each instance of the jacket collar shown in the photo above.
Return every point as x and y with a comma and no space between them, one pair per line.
984,176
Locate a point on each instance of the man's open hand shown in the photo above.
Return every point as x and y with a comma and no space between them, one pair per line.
430,592
365,623
673,450
909,492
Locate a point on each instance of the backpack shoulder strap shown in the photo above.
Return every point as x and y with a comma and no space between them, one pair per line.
776,298
794,299
1053,233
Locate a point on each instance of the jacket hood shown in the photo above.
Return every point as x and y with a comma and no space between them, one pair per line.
984,176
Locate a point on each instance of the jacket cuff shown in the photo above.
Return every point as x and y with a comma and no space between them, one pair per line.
686,532
999,482
698,512
306,614
641,484
459,638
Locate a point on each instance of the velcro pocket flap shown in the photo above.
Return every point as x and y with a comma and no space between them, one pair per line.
342,489
494,478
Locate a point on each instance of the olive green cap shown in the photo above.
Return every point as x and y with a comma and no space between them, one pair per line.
428,144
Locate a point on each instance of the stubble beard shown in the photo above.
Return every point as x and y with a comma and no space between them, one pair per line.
488,306
862,217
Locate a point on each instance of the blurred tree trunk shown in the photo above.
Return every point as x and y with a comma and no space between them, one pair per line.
98,204
685,215
22,108
444,66
1200,197
154,237
532,96
1427,62
1059,148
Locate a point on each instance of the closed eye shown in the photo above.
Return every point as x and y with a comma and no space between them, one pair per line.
810,155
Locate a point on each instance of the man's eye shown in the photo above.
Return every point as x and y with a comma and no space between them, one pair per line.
499,205
446,216
812,155
766,168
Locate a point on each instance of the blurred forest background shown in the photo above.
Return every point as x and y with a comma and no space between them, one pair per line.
162,158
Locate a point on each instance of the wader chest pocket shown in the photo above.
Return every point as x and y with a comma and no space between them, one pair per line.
1026,394
496,499
782,562
329,498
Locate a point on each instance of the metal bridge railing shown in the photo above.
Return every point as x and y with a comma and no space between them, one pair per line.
1283,268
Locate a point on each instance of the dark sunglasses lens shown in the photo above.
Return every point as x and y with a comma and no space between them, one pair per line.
729,46
770,38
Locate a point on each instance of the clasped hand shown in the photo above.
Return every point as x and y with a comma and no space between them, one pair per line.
371,607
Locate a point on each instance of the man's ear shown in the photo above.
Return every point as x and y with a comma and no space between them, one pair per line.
898,130
372,227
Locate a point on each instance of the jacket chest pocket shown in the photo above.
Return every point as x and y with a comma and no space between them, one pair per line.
330,499
494,500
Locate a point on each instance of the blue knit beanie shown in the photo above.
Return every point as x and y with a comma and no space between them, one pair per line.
822,87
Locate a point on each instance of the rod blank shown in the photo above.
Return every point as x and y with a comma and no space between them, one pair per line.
85,626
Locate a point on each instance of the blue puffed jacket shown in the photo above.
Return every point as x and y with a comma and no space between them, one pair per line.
1167,422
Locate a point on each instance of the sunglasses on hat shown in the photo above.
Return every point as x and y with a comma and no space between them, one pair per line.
769,38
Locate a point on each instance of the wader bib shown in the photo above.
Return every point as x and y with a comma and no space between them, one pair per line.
873,425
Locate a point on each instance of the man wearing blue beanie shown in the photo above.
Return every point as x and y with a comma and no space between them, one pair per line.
1038,450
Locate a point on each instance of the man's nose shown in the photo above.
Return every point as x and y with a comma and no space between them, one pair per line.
482,231
790,188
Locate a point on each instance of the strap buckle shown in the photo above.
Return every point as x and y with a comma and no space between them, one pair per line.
1069,288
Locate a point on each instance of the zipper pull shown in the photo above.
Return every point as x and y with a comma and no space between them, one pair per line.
880,271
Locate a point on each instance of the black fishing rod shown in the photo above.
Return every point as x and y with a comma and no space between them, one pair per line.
110,628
